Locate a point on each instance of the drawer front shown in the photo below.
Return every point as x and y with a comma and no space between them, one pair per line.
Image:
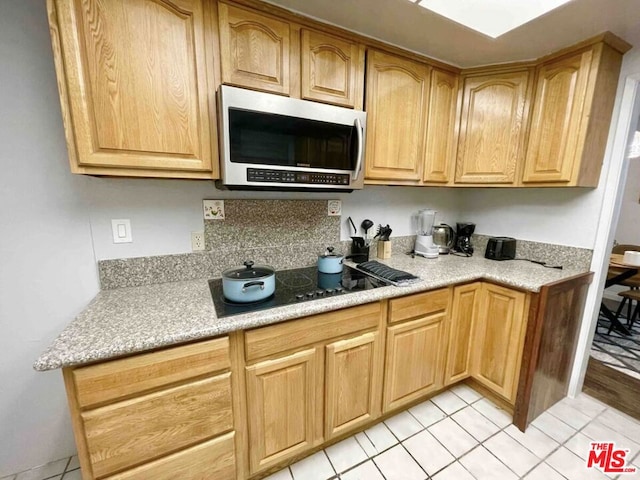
212,459
311,330
418,305
145,428
118,379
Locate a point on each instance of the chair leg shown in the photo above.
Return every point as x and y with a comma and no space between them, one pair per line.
634,316
629,306
618,311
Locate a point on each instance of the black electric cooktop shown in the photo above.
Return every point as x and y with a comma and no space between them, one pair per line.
296,286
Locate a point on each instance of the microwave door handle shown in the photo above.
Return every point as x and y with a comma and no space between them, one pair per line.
358,126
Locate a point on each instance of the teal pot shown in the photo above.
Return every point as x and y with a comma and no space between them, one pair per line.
248,284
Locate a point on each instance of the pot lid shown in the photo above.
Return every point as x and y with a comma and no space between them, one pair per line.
248,271
329,253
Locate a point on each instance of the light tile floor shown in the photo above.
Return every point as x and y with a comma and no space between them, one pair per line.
457,435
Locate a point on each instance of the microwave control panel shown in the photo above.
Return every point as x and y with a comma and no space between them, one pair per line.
292,176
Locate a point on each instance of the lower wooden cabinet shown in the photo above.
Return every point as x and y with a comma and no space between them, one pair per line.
415,357
498,338
282,407
212,459
353,381
464,314
165,414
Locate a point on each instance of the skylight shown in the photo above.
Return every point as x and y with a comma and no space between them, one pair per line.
491,17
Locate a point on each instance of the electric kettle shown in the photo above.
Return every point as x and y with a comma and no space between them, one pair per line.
443,237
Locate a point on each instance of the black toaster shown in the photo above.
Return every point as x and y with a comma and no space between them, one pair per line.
501,248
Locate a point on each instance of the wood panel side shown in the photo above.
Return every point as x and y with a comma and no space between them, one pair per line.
602,94
79,433
126,377
270,340
549,347
239,401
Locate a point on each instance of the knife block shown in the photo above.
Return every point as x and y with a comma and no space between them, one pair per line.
384,250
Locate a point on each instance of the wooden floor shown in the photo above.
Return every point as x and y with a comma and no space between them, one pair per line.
613,388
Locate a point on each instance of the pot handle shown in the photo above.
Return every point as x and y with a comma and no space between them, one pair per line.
252,284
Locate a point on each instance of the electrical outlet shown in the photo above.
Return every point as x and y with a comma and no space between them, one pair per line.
334,208
197,241
213,209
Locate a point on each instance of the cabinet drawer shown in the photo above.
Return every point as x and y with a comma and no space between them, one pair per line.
310,330
123,378
145,428
418,305
212,459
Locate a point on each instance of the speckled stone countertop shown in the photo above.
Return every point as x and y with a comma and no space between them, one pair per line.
129,320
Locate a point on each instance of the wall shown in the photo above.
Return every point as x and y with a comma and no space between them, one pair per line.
561,216
163,213
48,271
628,230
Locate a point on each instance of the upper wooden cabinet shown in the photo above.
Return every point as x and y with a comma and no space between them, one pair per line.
571,114
442,127
254,50
136,86
396,103
332,69
265,53
492,128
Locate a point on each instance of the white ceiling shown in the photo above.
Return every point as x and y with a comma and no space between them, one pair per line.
407,25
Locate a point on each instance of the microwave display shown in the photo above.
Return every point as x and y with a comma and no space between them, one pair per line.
271,139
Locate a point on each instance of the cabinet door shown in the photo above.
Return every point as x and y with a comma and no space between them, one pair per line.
284,401
498,339
396,103
415,360
133,77
556,131
353,383
492,128
464,313
254,50
441,127
332,69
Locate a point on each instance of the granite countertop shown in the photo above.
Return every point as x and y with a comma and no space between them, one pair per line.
129,320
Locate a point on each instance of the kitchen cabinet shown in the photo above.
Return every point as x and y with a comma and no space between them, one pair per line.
174,405
275,55
492,127
571,115
310,380
464,317
136,87
498,339
442,127
353,380
281,396
332,69
254,49
416,347
397,92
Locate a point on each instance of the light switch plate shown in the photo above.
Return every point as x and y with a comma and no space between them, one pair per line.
121,230
334,208
213,209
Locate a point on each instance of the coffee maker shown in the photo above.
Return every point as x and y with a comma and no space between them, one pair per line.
463,238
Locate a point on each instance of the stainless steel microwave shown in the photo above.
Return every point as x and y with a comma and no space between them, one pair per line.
270,142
